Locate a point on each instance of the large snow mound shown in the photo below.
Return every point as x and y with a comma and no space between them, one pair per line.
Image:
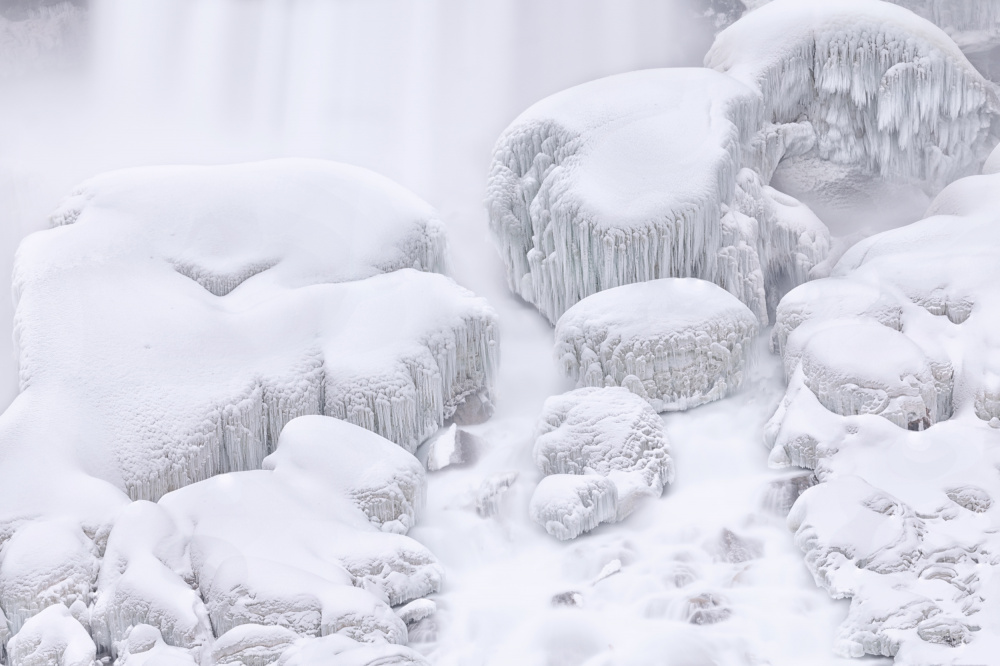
646,175
247,563
587,434
904,519
185,314
677,342
869,83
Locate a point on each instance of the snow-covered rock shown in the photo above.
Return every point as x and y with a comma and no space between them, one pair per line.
52,636
647,175
567,505
904,519
308,546
605,450
603,431
677,342
864,83
451,446
143,645
178,317
491,493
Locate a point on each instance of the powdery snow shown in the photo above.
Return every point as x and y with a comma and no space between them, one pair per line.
903,521
646,175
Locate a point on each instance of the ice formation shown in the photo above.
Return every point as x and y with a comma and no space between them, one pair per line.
602,450
187,313
863,83
893,401
647,175
174,322
246,564
676,342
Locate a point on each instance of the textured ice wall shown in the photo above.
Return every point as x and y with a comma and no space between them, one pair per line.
603,450
868,83
894,366
188,313
677,342
646,175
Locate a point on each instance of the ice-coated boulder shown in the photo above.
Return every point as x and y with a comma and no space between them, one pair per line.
863,84
859,366
602,450
52,636
567,505
677,342
603,431
903,519
183,315
646,175
310,545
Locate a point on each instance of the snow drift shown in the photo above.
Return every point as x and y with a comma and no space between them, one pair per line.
646,175
892,399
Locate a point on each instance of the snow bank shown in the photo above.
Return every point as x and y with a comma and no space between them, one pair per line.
646,175
676,342
872,84
602,450
904,519
188,313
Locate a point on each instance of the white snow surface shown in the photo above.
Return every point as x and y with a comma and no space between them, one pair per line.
676,342
646,175
603,450
904,519
865,83
245,564
180,316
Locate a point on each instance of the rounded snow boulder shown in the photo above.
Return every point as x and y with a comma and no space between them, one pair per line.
603,450
858,366
645,175
678,343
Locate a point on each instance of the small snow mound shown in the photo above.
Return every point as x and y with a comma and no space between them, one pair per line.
252,645
53,636
678,342
567,505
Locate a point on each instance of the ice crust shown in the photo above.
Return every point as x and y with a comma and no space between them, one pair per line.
866,83
602,450
647,175
904,519
676,342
